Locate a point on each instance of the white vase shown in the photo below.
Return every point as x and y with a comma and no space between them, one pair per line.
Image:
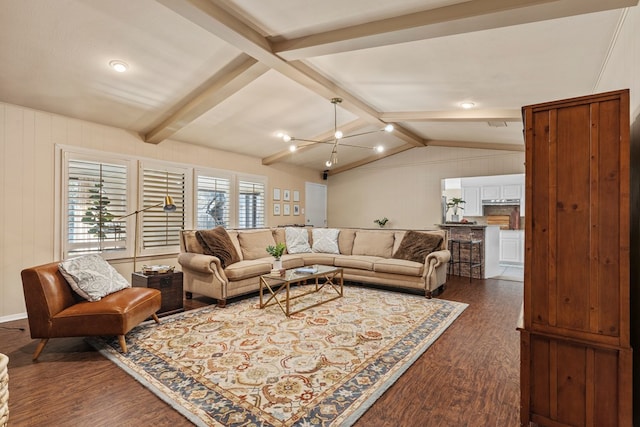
277,264
455,218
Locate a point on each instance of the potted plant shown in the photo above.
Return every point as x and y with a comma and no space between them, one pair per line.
381,222
454,204
276,252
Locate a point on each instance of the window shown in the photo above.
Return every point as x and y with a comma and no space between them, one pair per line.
160,229
105,196
213,202
96,196
250,204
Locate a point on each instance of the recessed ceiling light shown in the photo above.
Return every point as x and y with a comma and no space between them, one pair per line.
467,105
119,66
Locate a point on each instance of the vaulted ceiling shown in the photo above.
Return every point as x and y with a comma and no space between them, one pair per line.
233,74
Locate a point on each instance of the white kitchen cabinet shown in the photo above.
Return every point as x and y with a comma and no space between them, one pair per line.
489,192
511,191
473,205
512,246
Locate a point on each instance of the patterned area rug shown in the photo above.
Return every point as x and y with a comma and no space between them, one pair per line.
246,366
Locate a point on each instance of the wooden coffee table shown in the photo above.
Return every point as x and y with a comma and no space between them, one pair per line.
278,285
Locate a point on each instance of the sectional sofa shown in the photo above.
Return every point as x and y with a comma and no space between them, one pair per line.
223,263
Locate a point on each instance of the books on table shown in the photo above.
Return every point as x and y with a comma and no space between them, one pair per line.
307,270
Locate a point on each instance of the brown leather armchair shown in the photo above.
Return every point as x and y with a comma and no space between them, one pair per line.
54,310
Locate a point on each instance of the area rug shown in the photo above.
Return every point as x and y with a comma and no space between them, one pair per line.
246,366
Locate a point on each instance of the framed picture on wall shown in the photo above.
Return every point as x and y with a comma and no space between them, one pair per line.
296,196
287,209
276,194
296,209
276,208
286,196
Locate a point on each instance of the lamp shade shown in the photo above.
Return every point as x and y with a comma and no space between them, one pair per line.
169,206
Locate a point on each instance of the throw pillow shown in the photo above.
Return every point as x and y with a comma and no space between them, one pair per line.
373,243
415,246
297,239
216,242
92,277
254,243
325,240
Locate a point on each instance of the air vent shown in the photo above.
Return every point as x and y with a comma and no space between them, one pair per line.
497,124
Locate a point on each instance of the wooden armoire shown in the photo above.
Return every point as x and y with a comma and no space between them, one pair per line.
576,357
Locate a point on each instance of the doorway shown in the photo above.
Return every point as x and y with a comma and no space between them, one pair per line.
316,204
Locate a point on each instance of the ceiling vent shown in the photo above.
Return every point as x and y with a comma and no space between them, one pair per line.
497,124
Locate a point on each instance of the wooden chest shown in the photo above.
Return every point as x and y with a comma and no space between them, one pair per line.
170,284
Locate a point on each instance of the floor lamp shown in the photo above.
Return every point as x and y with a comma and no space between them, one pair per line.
167,206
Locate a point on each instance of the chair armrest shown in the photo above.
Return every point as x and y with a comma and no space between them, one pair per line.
202,264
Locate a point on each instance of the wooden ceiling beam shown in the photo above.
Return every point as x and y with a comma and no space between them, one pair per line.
476,145
214,19
236,75
370,159
459,18
454,116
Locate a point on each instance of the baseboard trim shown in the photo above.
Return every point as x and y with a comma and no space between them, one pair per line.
11,317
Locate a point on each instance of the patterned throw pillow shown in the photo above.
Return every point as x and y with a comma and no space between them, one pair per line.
297,239
91,277
325,240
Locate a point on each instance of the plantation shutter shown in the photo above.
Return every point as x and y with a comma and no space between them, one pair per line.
250,204
96,197
214,202
160,229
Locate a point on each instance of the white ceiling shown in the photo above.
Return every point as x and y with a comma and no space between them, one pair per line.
231,74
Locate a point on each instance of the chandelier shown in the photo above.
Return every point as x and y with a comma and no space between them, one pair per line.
338,137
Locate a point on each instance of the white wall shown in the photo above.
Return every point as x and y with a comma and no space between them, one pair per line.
406,188
27,202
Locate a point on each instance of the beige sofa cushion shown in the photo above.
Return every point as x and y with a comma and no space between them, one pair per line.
373,243
254,243
399,266
345,240
361,262
191,243
246,269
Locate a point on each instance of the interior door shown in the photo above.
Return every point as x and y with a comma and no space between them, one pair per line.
316,204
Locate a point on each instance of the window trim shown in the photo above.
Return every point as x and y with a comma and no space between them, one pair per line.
134,184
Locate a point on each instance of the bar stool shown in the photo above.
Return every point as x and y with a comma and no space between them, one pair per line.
474,245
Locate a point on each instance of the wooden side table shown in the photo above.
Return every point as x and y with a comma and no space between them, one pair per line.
170,284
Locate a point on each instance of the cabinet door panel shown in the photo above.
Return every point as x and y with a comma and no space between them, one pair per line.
511,191
490,192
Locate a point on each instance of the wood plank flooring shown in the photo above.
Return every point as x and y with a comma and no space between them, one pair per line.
468,377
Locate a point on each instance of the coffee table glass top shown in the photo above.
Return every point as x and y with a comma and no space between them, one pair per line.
301,273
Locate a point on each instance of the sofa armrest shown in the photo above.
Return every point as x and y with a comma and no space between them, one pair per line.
440,257
435,267
202,264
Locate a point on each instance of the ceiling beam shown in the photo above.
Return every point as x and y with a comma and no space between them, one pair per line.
459,18
233,77
454,116
216,20
476,145
370,159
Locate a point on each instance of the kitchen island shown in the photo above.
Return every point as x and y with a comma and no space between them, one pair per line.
490,236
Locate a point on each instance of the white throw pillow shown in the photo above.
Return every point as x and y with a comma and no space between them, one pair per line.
297,239
91,277
325,240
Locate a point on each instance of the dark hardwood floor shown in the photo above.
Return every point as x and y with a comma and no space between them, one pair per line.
468,377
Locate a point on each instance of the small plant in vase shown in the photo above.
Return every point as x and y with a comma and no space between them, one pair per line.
381,222
454,204
276,252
